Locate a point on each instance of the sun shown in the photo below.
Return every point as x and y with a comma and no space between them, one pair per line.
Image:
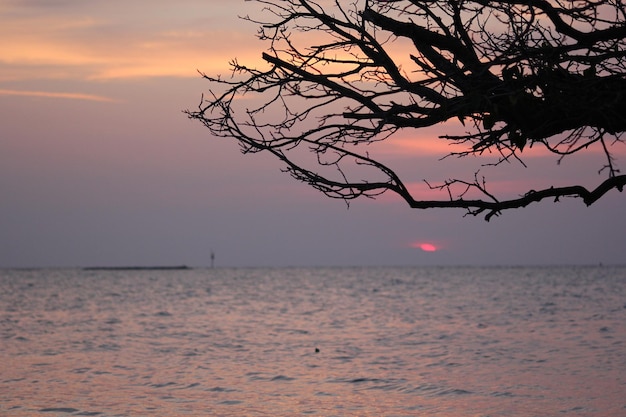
428,247
425,246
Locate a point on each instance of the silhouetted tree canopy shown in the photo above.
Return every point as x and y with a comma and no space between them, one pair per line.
511,74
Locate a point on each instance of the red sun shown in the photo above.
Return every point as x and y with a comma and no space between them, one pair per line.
426,247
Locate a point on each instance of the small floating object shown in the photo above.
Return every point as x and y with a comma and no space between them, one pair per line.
317,350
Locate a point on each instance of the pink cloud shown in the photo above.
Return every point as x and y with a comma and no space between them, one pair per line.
49,94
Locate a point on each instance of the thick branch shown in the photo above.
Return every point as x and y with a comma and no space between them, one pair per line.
492,208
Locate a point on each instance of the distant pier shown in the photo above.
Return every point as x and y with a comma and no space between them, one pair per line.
136,268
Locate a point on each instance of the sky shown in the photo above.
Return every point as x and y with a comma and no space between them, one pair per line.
99,166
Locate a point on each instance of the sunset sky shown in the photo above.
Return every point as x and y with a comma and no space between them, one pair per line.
100,167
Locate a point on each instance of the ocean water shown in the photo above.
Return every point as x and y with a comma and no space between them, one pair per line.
425,341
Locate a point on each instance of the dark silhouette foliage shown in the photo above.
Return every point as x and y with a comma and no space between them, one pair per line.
511,75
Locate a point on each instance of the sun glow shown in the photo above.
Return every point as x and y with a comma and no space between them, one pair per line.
425,246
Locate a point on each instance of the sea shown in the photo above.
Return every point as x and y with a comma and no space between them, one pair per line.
362,341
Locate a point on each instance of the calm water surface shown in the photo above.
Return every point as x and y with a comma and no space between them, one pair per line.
451,342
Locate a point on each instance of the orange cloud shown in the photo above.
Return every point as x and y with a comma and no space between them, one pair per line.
38,45
169,57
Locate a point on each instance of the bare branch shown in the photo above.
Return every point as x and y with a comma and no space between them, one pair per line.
515,73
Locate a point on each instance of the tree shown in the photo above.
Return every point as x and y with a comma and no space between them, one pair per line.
511,74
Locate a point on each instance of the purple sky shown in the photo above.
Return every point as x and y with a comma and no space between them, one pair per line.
99,166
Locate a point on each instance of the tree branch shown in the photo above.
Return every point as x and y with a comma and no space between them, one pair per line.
515,73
